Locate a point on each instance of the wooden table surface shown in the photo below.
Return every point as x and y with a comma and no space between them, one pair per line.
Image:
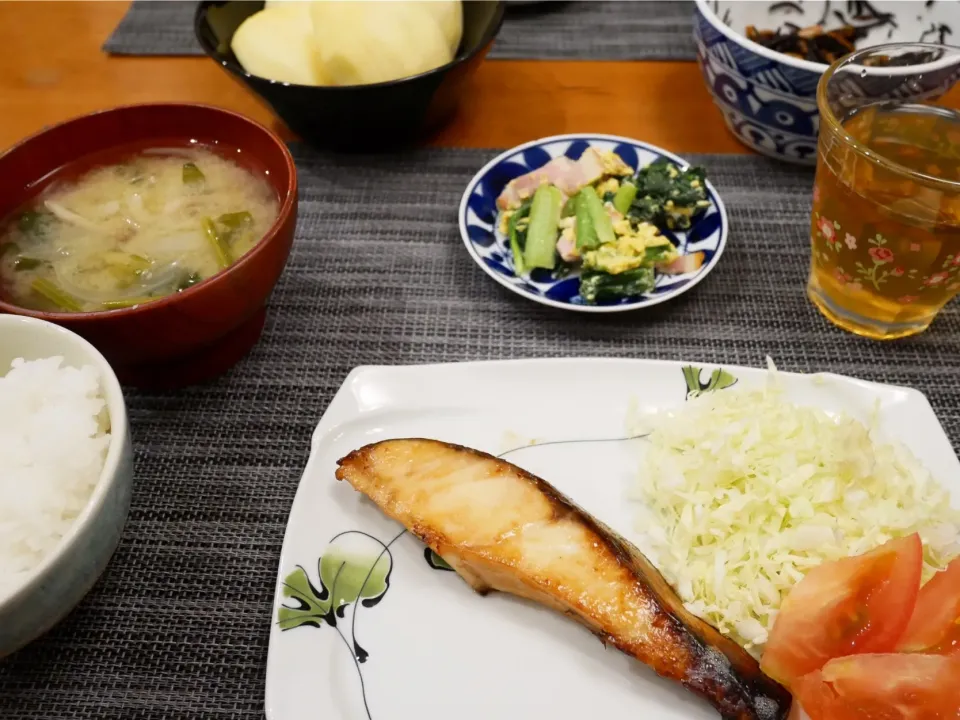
52,69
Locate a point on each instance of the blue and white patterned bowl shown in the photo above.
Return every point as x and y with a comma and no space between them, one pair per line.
490,248
768,99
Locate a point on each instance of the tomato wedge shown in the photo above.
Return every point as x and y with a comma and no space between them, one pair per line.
859,604
898,686
935,624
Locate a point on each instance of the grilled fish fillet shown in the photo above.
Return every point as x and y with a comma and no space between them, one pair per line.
502,528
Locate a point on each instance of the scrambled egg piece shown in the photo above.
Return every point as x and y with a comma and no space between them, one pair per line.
505,221
630,249
610,185
613,164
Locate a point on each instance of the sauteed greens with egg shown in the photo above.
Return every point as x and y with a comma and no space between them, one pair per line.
599,215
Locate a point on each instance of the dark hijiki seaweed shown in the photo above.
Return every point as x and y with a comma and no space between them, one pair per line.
810,43
816,44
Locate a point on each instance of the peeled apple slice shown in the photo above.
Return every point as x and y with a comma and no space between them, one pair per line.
375,41
276,43
449,16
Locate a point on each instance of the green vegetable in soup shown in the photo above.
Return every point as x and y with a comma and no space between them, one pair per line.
541,246
30,221
127,302
56,295
236,220
126,268
238,231
216,243
192,175
598,286
117,244
127,261
26,263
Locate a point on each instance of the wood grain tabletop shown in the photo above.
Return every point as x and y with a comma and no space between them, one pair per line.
52,69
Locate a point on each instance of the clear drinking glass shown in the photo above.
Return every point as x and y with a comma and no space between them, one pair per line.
885,230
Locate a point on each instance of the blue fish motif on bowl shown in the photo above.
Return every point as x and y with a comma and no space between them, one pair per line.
768,100
490,248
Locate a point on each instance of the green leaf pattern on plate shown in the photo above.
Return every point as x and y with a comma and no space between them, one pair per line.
435,561
354,567
719,380
311,607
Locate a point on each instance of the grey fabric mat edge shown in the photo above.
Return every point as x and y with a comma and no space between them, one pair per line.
585,30
178,625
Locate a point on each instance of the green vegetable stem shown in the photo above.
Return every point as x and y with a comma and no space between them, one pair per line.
541,246
586,233
56,295
518,237
602,224
126,302
216,242
625,197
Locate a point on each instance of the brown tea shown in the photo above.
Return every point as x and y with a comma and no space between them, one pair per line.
886,241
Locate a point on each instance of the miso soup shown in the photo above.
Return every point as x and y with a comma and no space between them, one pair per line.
128,233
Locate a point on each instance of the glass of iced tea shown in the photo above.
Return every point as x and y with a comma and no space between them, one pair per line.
885,230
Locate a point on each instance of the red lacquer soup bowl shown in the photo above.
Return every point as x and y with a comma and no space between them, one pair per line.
203,330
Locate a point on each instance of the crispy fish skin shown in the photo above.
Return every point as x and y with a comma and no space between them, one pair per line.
503,529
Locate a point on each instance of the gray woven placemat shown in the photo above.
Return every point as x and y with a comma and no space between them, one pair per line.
178,625
590,30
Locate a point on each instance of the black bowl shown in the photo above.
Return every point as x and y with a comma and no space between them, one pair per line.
355,117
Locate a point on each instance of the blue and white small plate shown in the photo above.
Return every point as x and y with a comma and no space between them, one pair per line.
490,248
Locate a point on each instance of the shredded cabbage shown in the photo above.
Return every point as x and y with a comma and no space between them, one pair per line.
743,492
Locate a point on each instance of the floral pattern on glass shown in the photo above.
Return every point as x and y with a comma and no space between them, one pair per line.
881,263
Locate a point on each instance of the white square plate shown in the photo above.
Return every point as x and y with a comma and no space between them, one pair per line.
433,649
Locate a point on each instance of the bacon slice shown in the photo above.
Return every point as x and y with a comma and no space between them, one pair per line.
683,264
566,174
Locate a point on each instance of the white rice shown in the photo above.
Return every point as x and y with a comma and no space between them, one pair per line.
54,434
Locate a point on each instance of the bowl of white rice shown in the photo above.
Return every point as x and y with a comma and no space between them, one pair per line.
66,472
